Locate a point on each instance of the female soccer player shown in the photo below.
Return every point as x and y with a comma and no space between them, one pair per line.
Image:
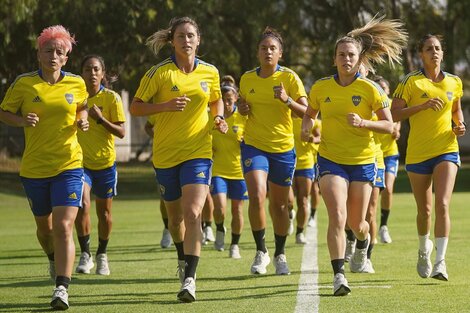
430,98
52,105
99,156
178,91
347,101
227,175
269,94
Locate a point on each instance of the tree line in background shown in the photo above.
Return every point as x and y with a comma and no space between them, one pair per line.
117,30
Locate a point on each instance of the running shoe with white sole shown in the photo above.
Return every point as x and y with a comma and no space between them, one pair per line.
188,290
369,268
102,266
358,261
311,221
85,264
208,234
292,214
340,285
260,262
220,240
424,265
280,263
300,239
439,271
60,298
384,235
234,252
350,247
166,239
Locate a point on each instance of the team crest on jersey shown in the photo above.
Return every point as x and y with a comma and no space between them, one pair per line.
450,95
204,86
248,162
162,189
356,100
69,97
235,128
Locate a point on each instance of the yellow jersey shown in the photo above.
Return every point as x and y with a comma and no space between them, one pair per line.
379,155
269,123
186,135
98,143
304,150
430,131
226,148
341,142
51,147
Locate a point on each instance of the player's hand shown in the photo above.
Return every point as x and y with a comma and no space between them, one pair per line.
83,124
280,93
243,107
177,104
459,130
220,125
435,103
95,112
31,119
355,120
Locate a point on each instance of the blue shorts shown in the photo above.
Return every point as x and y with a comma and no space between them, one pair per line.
64,189
234,188
102,182
279,166
196,171
380,179
364,172
427,166
308,172
391,164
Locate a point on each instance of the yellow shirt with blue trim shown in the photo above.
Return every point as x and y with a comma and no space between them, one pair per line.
226,148
269,124
430,131
186,135
341,142
304,150
51,147
379,155
98,143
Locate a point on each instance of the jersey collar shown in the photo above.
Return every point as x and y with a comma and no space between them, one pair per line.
62,73
173,58
258,69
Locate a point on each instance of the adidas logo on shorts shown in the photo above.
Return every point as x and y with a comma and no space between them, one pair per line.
201,175
73,196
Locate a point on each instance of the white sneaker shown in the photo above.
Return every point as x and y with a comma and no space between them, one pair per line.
180,270
166,239
340,285
51,270
369,268
102,266
280,263
219,240
208,234
85,264
260,262
234,252
424,265
188,290
439,271
291,222
300,239
350,247
358,261
60,298
384,235
311,221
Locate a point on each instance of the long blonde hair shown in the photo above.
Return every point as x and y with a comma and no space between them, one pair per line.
379,41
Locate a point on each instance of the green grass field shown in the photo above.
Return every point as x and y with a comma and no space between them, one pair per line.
143,277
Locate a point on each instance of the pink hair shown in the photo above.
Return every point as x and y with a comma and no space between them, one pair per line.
59,33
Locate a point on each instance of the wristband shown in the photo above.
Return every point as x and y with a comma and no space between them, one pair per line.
464,124
289,101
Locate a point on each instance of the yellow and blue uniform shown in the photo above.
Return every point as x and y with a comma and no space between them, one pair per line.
227,174
431,132
180,137
379,159
390,152
51,147
341,143
269,139
99,154
305,152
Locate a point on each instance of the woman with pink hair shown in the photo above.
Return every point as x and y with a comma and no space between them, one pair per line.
53,106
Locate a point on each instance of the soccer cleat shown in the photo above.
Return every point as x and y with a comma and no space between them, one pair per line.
219,240
369,268
102,266
300,239
384,235
358,261
424,265
439,271
166,239
291,222
280,263
85,264
208,234
180,270
350,247
340,285
60,298
260,262
234,252
51,269
188,290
